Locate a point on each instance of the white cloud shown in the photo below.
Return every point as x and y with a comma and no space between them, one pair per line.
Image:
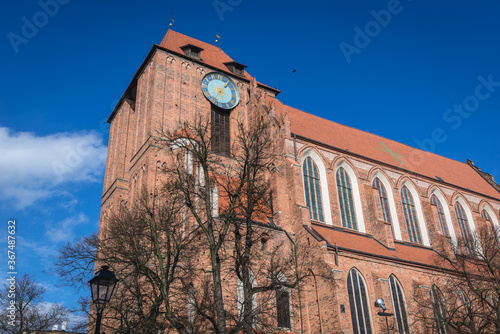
38,167
64,231
37,249
71,319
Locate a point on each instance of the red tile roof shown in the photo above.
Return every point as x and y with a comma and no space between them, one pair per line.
358,242
372,146
211,54
347,138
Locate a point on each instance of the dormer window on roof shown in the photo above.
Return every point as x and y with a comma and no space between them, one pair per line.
192,51
236,68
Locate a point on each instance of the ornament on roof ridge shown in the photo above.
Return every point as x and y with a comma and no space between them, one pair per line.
171,19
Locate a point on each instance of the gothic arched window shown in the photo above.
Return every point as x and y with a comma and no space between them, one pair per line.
240,295
191,309
399,305
439,308
283,302
410,216
485,215
463,223
488,214
347,209
312,189
384,200
358,301
440,211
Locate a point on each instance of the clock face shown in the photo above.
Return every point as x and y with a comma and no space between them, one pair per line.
220,90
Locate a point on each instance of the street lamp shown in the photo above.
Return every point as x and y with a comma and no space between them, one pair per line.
380,303
101,287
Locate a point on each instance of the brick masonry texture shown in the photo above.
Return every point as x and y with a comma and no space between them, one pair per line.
166,91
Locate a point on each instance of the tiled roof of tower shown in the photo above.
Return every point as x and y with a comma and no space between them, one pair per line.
372,146
211,54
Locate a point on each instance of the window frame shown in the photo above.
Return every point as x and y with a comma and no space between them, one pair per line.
346,199
399,305
384,199
312,189
396,228
493,218
411,217
439,310
449,221
465,228
191,308
441,215
220,130
325,198
359,301
240,298
355,193
282,279
418,207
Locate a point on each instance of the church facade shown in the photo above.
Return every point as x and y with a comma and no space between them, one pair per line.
377,211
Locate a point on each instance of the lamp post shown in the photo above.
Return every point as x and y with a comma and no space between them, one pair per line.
380,303
102,286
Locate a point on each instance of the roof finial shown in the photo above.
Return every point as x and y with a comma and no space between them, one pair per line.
216,36
171,19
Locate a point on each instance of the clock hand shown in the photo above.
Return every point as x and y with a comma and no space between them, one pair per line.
226,84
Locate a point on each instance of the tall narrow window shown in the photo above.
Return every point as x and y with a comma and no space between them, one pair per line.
191,309
283,308
410,216
463,223
346,200
399,305
283,304
439,310
384,201
485,215
358,301
312,189
440,211
215,201
220,131
240,295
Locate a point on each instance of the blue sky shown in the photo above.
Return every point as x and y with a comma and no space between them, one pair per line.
414,63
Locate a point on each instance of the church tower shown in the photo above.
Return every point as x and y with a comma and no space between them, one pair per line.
380,218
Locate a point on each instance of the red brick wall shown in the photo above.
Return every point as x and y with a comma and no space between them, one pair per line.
168,92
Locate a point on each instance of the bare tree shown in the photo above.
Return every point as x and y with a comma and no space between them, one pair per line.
75,262
23,310
199,249
467,300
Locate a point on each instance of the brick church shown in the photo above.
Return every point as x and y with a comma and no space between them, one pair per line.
376,211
